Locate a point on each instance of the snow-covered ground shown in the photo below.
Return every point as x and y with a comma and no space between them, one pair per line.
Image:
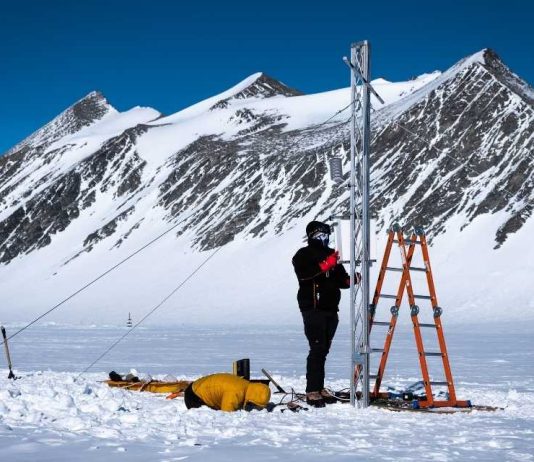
48,415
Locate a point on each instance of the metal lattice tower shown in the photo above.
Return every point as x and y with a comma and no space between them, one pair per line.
360,220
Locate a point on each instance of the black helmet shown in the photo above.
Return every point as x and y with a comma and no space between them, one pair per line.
317,227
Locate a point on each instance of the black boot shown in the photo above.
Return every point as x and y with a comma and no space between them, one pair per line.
315,399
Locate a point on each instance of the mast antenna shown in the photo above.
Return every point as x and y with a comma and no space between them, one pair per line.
359,183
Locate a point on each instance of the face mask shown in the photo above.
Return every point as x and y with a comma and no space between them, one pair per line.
322,237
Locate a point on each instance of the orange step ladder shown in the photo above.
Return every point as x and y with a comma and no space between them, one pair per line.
407,247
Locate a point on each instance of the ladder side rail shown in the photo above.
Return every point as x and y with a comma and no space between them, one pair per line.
394,317
381,275
415,320
437,321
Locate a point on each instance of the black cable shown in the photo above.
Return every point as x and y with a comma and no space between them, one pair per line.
315,127
129,331
330,118
96,279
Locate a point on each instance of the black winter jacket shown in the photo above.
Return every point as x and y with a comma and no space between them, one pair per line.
318,290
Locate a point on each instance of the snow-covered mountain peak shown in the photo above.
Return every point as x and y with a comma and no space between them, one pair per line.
89,109
490,61
266,87
83,113
487,61
485,65
478,57
258,85
94,99
493,64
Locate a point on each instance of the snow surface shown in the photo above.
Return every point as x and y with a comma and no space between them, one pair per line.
47,415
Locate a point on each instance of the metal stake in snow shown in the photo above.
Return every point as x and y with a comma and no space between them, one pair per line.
8,356
360,216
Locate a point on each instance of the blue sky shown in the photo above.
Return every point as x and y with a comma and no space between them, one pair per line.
170,54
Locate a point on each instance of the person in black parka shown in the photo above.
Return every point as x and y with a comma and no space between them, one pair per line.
320,279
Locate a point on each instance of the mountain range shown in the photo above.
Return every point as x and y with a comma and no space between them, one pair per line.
243,172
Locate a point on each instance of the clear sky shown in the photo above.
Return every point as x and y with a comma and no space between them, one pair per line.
169,54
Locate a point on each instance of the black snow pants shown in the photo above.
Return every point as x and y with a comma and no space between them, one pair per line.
320,328
191,399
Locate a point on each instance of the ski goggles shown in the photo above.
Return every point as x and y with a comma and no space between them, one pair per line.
324,238
320,235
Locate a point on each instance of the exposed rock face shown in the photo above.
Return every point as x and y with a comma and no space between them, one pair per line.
465,148
33,224
461,145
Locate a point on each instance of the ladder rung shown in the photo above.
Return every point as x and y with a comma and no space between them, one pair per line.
440,384
407,241
377,350
373,376
388,296
426,325
423,297
433,353
381,323
400,270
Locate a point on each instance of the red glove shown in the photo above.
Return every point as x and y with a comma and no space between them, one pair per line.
329,262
